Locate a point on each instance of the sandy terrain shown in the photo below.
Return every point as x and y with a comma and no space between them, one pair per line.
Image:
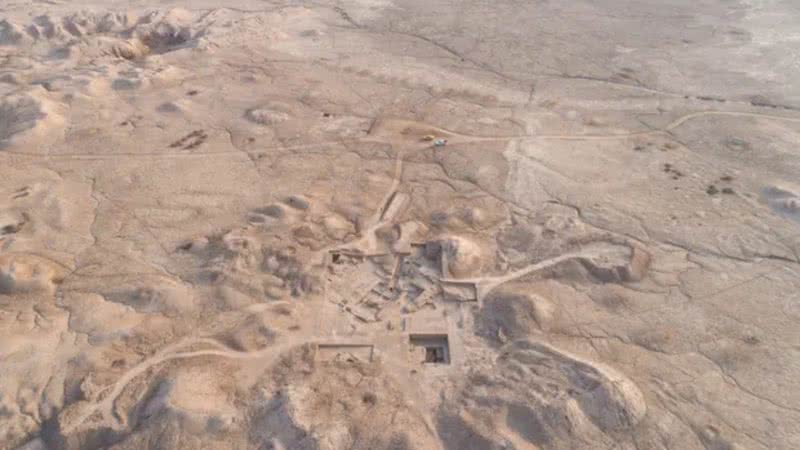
399,224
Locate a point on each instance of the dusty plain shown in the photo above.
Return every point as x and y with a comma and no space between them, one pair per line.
400,224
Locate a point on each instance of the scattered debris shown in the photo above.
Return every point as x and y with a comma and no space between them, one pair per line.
191,140
10,229
369,398
737,144
334,351
675,173
459,292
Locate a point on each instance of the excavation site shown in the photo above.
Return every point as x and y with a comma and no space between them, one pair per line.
400,224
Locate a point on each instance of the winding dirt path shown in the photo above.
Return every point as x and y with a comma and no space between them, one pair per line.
457,138
485,285
107,404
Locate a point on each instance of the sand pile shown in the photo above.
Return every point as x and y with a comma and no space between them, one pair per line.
543,397
458,256
511,314
299,404
30,120
27,274
334,405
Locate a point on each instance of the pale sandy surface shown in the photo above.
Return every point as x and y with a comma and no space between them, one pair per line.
231,226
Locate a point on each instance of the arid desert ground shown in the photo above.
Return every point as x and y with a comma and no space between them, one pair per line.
400,224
